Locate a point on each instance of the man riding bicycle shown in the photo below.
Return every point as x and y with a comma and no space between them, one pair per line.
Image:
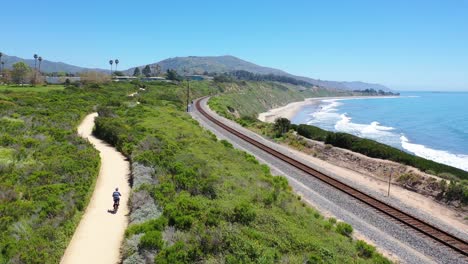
116,195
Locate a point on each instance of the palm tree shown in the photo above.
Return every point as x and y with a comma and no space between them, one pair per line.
40,61
116,64
35,60
35,68
111,62
1,63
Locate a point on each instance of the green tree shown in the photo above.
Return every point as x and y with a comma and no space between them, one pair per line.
118,73
282,126
158,69
20,72
147,71
173,75
1,63
136,72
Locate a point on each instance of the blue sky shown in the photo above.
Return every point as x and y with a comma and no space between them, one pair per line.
402,44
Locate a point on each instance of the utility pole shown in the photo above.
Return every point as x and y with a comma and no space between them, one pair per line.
188,95
389,182
188,88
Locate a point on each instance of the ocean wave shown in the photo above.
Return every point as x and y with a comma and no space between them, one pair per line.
328,117
374,130
441,156
327,113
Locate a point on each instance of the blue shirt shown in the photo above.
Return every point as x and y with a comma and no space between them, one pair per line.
116,195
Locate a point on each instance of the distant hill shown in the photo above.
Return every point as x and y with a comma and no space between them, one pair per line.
195,64
46,65
220,64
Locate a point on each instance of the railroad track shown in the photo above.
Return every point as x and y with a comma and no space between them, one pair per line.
410,221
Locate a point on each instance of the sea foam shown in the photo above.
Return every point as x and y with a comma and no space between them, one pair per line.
329,118
441,156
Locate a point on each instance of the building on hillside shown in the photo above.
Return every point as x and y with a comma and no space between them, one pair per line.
151,79
131,78
61,80
123,78
196,77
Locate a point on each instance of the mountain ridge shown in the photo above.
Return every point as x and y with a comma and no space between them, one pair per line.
48,66
201,64
229,63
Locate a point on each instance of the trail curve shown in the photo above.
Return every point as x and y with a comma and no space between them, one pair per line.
100,232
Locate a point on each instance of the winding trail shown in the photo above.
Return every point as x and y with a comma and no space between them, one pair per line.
100,232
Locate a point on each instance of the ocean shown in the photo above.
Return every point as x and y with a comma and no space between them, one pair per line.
432,125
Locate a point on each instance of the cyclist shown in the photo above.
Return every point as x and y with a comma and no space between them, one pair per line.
116,195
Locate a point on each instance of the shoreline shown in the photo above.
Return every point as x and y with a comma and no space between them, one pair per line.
290,110
426,151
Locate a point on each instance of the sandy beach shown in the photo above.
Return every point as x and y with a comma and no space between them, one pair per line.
288,111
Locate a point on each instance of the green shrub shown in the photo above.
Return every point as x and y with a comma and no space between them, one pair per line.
312,132
328,225
154,224
364,250
344,228
250,158
176,253
152,240
244,213
226,143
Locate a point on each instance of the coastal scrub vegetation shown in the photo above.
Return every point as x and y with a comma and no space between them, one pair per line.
211,203
195,199
46,170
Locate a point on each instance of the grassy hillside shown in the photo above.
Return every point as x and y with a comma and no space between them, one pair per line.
46,171
248,99
198,200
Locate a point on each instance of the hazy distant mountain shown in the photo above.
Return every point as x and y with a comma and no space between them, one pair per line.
47,66
220,64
